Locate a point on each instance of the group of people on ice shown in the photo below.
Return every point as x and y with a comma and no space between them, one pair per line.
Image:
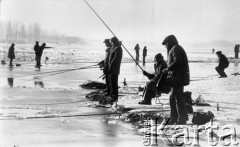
37,49
137,49
171,76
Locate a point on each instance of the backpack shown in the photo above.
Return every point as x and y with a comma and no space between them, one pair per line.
200,118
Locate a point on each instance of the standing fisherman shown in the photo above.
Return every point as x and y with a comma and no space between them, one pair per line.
144,54
39,54
178,77
115,59
36,48
104,65
236,50
137,48
11,54
213,50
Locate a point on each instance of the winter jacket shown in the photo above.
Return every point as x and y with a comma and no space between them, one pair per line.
223,61
11,54
115,59
36,48
144,52
158,71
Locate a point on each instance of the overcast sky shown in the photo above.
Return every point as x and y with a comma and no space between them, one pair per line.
145,20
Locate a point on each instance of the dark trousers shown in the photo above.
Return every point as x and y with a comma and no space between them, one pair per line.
149,91
137,57
107,80
178,112
11,60
38,60
220,71
114,86
236,55
144,60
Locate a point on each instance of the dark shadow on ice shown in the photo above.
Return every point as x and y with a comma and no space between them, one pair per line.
10,82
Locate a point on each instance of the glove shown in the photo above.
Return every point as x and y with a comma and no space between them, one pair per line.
165,70
145,73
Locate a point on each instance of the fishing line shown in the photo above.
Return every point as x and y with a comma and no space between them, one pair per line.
85,67
113,34
77,115
54,74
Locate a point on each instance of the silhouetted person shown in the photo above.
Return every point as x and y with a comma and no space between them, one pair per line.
105,65
223,63
36,48
178,77
115,59
213,50
11,54
46,59
150,88
144,54
39,54
137,48
236,51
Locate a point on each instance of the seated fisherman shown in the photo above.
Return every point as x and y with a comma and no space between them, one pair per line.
151,87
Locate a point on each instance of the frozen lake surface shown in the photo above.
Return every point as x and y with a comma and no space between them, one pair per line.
26,92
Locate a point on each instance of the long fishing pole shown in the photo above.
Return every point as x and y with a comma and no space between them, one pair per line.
53,74
91,66
112,33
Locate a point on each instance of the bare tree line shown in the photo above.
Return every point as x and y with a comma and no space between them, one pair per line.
21,33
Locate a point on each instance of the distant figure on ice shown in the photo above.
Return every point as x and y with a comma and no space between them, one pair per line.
137,48
150,88
11,54
177,76
144,54
46,59
39,54
223,63
236,51
104,65
115,59
213,50
36,48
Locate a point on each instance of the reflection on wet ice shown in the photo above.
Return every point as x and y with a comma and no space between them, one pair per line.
10,82
38,82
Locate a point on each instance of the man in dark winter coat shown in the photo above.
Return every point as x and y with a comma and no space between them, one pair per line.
144,54
151,87
11,54
115,59
223,63
178,77
137,48
104,65
39,54
236,50
36,48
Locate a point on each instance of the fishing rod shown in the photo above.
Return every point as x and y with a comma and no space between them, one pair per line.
61,116
113,33
54,74
85,67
